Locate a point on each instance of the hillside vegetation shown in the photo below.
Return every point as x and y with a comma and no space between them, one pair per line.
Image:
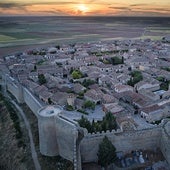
14,143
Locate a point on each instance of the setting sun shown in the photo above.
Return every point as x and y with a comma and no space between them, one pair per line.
82,8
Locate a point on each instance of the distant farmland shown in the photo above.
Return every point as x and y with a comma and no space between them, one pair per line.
27,32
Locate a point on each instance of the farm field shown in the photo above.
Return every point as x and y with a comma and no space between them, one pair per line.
19,33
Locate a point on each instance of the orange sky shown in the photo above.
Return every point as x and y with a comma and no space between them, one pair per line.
86,7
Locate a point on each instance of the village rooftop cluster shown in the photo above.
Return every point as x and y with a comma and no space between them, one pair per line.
129,78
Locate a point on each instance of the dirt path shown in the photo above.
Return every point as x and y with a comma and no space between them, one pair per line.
27,124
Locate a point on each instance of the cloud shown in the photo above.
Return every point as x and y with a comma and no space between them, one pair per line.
133,5
10,5
146,13
53,3
97,2
55,12
121,8
160,10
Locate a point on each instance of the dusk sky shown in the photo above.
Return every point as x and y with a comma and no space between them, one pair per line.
86,7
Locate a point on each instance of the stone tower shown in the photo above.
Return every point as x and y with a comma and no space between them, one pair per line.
47,130
59,135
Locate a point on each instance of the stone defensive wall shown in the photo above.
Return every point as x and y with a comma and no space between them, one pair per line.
22,94
60,136
57,134
33,103
123,141
165,140
14,88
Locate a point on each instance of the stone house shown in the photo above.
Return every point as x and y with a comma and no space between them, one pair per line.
150,86
79,103
32,58
114,108
107,98
45,96
50,56
94,75
105,67
18,68
123,77
136,99
59,98
63,59
104,80
93,95
122,88
71,99
149,94
39,89
78,88
152,113
140,61
22,77
91,60
33,76
51,85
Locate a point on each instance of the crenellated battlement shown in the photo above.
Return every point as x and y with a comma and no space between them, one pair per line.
103,133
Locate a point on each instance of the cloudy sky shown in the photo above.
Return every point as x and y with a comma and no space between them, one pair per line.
86,7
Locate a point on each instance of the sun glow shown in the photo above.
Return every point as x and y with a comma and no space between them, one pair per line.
82,8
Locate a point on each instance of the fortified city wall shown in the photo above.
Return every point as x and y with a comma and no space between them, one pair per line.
31,101
14,88
165,140
22,94
58,135
123,141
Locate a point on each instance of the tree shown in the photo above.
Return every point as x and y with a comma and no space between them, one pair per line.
42,79
89,104
108,123
106,153
116,60
35,67
136,77
122,60
69,108
49,101
87,82
58,47
76,74
85,123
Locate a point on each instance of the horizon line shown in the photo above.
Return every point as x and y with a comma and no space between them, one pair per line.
161,16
